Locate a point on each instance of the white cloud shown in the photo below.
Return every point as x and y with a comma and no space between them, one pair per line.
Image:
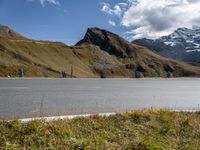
54,2
112,23
117,10
154,18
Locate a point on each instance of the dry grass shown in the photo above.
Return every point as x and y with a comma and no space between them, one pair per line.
140,130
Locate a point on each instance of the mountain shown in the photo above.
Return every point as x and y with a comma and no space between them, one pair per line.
99,53
109,42
183,44
6,31
136,58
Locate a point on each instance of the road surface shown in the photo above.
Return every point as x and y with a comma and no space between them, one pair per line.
24,98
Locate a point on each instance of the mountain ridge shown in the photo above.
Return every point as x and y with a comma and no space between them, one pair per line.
6,31
99,52
183,44
102,38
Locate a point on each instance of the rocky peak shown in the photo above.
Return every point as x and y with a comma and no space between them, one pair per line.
182,44
108,41
6,31
189,39
94,36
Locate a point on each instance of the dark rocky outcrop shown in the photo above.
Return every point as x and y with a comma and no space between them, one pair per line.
107,41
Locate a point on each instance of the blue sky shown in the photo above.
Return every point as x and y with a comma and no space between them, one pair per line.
68,20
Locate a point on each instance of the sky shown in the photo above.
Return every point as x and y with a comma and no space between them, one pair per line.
68,20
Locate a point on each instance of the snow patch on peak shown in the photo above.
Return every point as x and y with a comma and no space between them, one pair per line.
189,39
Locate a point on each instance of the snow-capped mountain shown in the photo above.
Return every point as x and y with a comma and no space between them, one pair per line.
182,44
187,38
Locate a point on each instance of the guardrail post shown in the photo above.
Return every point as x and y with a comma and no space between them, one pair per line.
20,72
63,74
72,71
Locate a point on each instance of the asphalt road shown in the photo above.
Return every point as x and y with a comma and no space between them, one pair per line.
24,98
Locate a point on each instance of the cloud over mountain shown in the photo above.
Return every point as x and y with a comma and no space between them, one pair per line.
151,19
107,9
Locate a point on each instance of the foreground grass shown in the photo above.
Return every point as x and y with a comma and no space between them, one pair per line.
150,129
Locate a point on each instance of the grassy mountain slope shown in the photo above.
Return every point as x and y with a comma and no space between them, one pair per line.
99,52
137,59
42,58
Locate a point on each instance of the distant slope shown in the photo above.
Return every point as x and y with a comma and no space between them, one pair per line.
159,47
183,44
100,52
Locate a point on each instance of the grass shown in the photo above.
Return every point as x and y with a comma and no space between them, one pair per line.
40,60
142,130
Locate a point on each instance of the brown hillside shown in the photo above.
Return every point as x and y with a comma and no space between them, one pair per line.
139,60
100,52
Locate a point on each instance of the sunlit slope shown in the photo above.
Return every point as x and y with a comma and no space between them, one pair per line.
39,58
48,59
137,58
100,52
